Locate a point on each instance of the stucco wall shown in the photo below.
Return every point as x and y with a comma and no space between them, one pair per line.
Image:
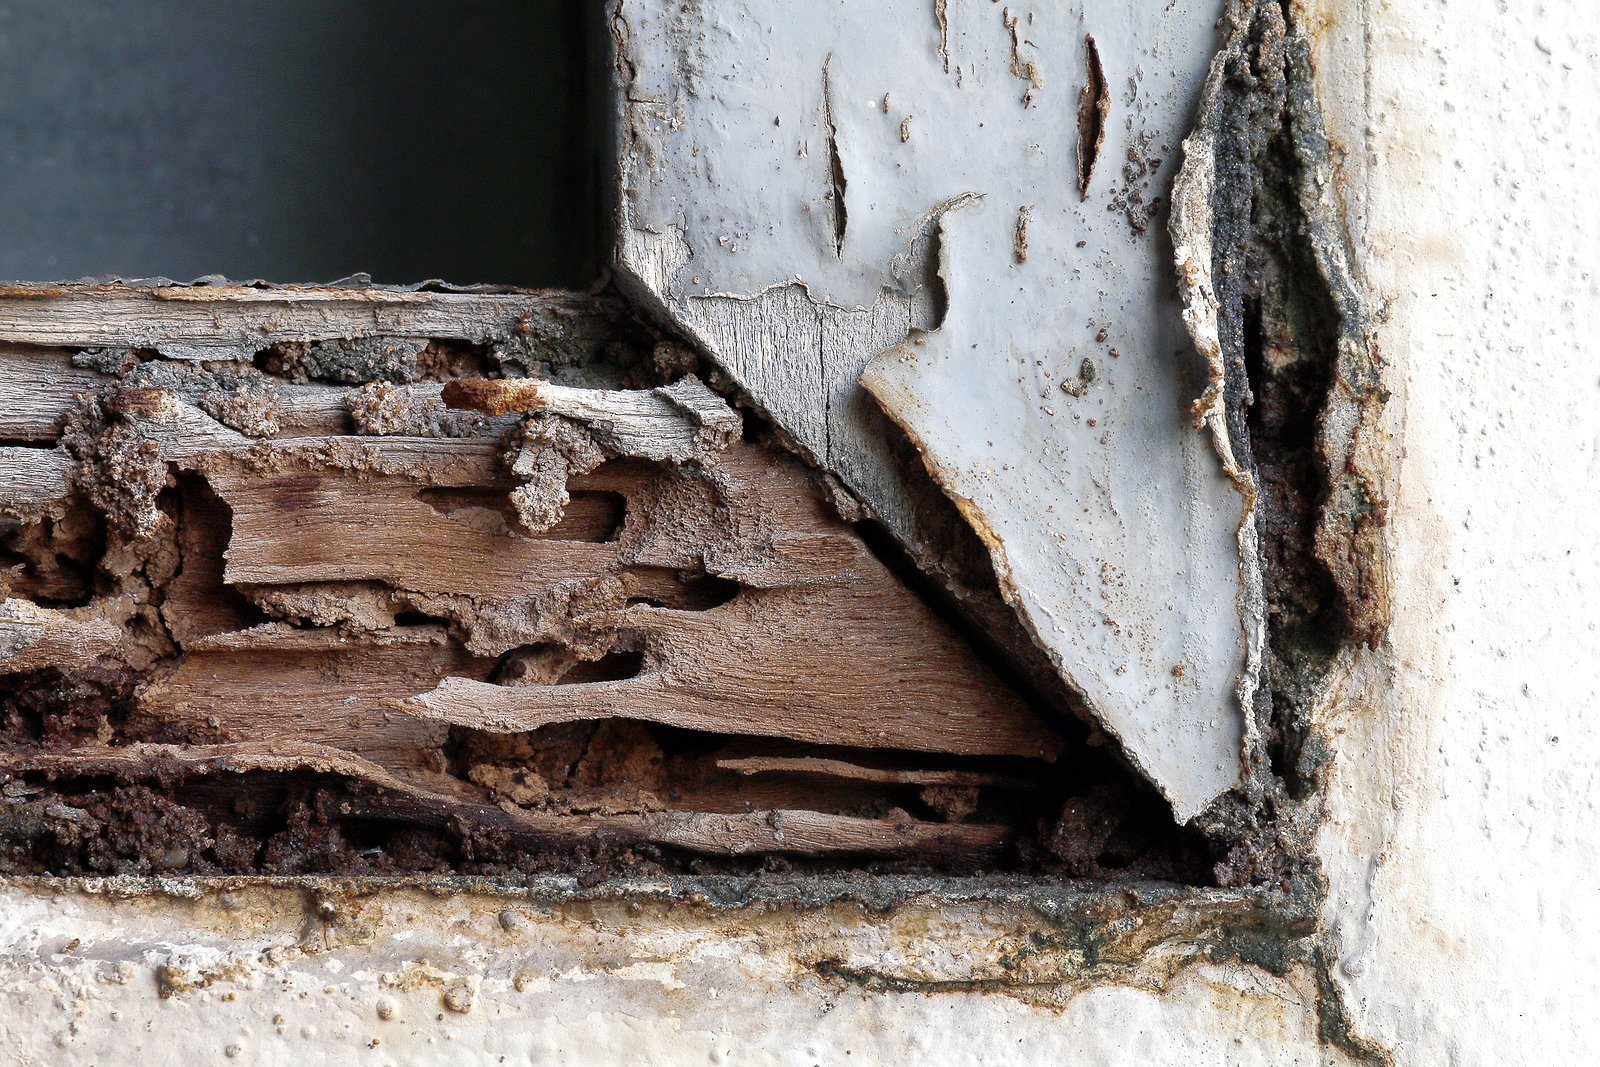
1463,801
1465,798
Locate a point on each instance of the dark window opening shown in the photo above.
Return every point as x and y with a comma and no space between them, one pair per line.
303,141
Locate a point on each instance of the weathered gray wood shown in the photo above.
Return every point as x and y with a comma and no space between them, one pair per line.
676,422
37,389
226,322
33,479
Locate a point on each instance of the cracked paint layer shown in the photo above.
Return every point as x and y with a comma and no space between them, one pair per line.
1058,340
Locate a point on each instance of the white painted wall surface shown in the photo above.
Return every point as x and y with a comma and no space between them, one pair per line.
1466,802
1465,811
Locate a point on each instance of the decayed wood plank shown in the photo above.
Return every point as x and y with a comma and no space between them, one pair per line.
280,684
185,435
306,526
837,768
800,832
676,422
32,637
818,705
832,634
824,633
372,606
235,322
34,478
37,389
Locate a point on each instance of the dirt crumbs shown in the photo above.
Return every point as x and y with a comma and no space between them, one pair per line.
53,709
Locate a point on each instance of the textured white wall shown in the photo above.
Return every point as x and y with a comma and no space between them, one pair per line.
1466,892
1464,888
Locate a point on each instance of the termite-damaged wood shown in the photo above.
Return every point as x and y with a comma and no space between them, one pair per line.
39,387
33,637
35,479
234,322
752,665
335,583
357,602
801,832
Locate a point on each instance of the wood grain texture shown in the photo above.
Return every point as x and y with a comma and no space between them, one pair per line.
236,322
333,580
35,479
37,389
825,634
277,683
32,637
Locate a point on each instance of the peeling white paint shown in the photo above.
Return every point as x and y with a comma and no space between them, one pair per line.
1052,400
